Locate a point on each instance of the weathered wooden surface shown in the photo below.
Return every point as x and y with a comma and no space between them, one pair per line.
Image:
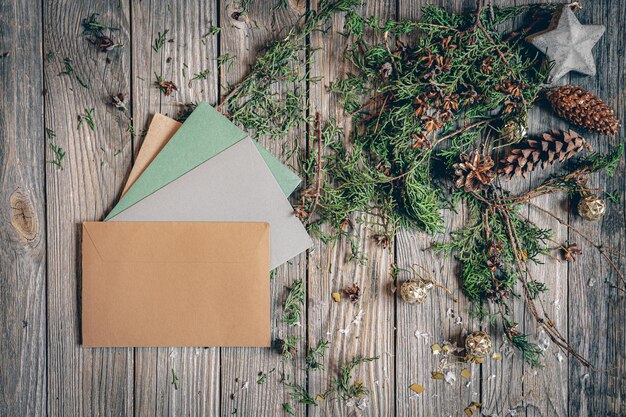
23,389
82,381
44,370
364,328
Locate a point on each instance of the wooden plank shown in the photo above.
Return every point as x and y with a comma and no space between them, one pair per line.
330,267
439,318
545,389
503,383
597,311
100,382
82,381
187,50
244,35
434,321
23,231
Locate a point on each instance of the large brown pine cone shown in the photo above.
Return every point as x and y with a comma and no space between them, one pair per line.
474,172
580,107
556,145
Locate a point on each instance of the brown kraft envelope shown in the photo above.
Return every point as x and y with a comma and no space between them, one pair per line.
175,284
161,130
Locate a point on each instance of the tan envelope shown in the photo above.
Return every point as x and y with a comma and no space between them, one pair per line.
175,284
161,130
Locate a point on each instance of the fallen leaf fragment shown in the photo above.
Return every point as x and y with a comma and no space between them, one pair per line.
496,356
353,292
336,297
436,349
417,388
319,397
469,410
466,373
438,375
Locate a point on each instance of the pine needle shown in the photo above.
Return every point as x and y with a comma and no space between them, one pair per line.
59,153
160,40
175,380
88,118
202,75
69,70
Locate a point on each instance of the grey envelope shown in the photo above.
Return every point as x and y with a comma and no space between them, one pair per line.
234,186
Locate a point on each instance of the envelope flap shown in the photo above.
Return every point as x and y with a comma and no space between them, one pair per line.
177,241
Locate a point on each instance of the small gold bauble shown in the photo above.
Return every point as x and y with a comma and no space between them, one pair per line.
478,344
591,207
513,131
415,291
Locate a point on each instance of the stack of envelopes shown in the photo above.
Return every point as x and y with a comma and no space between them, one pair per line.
184,258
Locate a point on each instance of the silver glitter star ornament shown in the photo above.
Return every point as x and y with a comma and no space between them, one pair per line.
568,44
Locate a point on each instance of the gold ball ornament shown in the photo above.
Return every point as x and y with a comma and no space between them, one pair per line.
591,207
415,291
478,344
513,131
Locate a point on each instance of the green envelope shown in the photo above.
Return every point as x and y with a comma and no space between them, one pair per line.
204,134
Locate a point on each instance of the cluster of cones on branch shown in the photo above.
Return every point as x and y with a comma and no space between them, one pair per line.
474,172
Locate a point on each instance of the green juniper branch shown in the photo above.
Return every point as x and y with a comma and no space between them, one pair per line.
405,100
416,109
255,101
300,394
294,303
343,386
315,355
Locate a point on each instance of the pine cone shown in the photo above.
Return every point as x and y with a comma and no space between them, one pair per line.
553,146
474,172
582,108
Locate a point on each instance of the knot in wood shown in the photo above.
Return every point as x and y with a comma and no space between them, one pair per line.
23,218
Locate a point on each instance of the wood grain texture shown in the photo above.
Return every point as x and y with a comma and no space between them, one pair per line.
503,382
593,304
23,387
542,395
186,51
244,35
364,328
96,382
44,370
439,318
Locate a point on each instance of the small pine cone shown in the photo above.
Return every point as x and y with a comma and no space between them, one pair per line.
474,172
553,146
580,107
